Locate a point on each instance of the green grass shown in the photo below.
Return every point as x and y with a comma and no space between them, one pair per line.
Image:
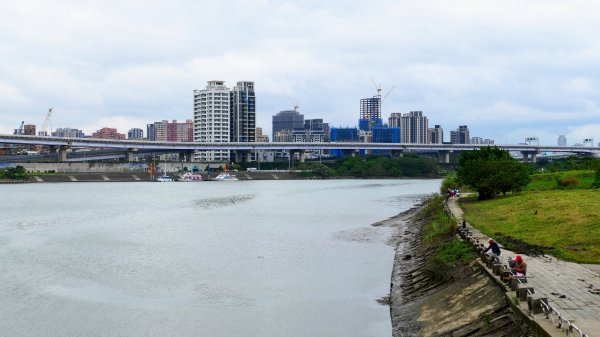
566,220
548,181
456,252
439,225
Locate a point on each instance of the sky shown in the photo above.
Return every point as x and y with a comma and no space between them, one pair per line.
508,69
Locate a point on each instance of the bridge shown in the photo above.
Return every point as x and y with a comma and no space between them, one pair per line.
133,147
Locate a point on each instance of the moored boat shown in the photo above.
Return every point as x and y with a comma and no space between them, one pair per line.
188,176
225,177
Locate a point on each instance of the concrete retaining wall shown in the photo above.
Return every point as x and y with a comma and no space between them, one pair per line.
84,167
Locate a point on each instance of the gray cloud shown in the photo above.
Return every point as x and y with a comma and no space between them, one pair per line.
509,69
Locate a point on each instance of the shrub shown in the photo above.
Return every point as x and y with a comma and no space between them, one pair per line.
450,181
16,173
596,183
567,182
437,269
450,255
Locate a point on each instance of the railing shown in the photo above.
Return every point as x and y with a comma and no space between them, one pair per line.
560,322
549,311
557,319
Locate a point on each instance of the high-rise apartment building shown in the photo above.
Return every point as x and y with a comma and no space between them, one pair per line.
414,127
562,140
181,132
29,129
436,135
243,112
68,132
242,127
287,120
339,134
165,131
385,135
212,120
157,131
370,113
460,136
480,140
150,132
284,136
394,120
108,133
317,125
260,138
135,133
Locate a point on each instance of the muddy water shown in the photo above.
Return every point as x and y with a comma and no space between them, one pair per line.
247,258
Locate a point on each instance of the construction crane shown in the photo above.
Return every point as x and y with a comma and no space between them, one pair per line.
295,105
20,131
388,93
44,130
378,88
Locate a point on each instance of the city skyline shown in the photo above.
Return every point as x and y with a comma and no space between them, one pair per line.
508,70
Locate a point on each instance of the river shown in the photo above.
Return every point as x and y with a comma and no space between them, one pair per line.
245,258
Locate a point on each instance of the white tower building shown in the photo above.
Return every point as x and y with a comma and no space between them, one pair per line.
211,120
414,127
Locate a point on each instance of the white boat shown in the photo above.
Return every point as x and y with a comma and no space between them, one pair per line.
164,179
188,176
225,177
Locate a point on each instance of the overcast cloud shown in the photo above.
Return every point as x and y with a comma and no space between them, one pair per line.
507,69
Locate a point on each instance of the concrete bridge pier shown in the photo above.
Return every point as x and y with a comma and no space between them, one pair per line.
529,156
242,156
131,154
444,157
302,155
62,153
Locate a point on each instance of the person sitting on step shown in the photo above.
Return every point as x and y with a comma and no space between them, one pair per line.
519,270
494,247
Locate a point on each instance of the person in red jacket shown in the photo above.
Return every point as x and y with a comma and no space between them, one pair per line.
519,270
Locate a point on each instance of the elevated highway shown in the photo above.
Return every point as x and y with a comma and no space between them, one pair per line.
61,144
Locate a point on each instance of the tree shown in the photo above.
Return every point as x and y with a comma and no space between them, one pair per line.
572,163
596,183
491,171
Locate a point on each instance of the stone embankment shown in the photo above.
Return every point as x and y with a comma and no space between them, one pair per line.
558,298
469,304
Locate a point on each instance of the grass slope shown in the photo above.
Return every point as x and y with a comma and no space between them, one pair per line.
548,181
566,220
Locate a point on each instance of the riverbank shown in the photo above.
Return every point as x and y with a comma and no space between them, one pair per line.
467,303
141,176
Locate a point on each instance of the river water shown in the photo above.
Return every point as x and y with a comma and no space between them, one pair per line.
246,258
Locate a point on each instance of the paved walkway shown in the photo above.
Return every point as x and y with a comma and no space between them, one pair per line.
570,288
